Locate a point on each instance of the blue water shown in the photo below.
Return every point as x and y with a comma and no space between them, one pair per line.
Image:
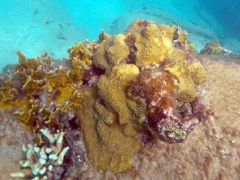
52,26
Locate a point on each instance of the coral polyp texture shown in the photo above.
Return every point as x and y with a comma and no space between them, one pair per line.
119,93
107,145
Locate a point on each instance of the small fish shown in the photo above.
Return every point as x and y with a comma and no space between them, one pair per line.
144,7
61,37
35,13
47,22
194,23
60,25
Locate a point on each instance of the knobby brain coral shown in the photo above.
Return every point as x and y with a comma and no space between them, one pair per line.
145,80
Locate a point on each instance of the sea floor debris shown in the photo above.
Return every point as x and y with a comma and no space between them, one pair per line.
43,159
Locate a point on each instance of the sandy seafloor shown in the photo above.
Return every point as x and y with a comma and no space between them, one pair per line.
212,150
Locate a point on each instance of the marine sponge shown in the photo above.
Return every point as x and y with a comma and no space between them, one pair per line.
107,146
42,160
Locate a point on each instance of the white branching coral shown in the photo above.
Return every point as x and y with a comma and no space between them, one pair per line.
41,160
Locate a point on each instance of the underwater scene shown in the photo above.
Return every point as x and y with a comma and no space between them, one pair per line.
119,90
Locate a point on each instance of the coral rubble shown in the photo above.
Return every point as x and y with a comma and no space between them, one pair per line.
144,81
43,161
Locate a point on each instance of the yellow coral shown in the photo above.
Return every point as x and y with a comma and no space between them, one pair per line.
112,89
32,89
110,118
154,44
7,92
80,60
79,52
103,36
189,74
108,148
28,65
111,52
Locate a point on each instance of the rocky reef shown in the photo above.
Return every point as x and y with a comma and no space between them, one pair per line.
116,96
214,48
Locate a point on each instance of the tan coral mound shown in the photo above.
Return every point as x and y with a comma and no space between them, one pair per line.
145,43
113,91
117,112
111,52
189,76
154,43
108,148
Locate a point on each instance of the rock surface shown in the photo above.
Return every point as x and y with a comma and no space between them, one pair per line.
12,137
